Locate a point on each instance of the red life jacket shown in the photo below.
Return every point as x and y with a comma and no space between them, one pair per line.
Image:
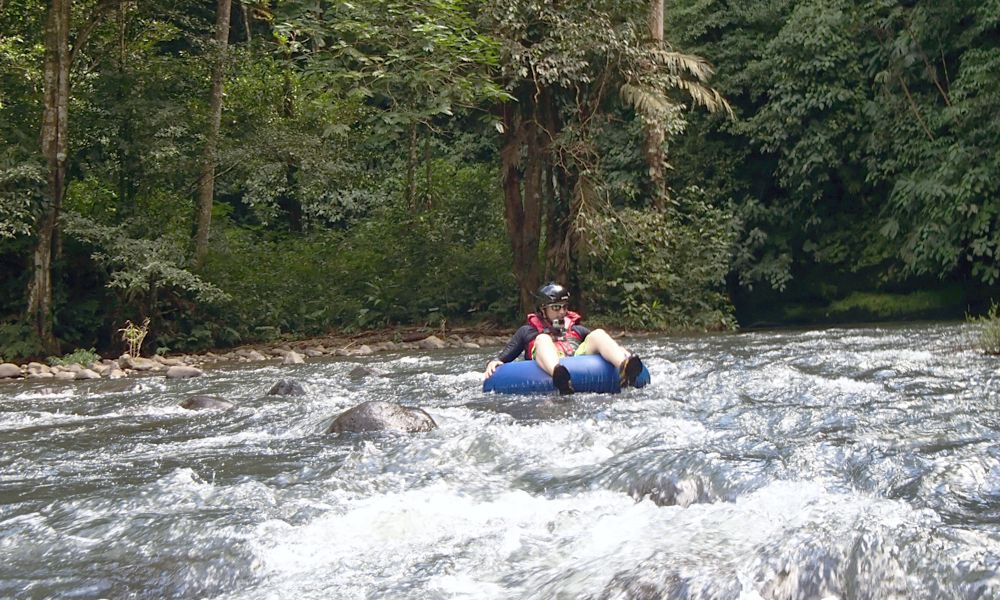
567,343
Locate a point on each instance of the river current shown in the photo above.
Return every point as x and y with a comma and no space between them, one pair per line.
854,462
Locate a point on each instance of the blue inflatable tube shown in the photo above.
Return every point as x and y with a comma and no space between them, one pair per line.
590,373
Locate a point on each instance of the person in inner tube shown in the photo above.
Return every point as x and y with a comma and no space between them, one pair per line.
553,332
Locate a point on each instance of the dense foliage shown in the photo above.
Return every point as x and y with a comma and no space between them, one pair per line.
384,163
863,156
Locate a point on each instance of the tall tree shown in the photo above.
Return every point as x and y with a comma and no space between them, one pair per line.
206,182
570,67
60,52
655,134
55,148
523,162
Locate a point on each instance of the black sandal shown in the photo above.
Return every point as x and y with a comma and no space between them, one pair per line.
629,370
562,380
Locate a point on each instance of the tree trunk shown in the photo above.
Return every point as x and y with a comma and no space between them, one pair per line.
128,161
288,200
411,170
246,21
206,183
654,131
54,142
428,191
656,21
522,199
560,219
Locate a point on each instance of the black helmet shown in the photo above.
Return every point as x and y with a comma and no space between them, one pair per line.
551,292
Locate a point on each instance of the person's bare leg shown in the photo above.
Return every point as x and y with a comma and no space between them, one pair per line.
547,358
545,353
600,342
629,366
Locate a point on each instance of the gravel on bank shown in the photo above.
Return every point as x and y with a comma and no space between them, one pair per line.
297,352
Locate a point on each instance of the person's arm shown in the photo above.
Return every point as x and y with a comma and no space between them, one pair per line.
582,331
511,351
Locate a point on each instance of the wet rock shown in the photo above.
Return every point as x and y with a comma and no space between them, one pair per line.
247,354
9,370
35,368
183,372
382,416
287,387
138,363
358,373
255,355
168,362
656,579
293,358
87,374
101,368
362,350
206,403
669,490
432,342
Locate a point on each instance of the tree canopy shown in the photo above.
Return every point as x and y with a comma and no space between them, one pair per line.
381,162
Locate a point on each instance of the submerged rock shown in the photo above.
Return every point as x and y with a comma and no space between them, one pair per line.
206,403
287,387
382,416
360,373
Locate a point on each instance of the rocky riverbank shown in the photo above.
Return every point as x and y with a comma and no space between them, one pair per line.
194,365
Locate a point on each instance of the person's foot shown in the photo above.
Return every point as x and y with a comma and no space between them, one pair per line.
629,370
562,380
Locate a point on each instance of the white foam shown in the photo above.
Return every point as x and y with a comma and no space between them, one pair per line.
64,393
412,360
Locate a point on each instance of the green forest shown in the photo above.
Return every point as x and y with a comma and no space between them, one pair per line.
245,171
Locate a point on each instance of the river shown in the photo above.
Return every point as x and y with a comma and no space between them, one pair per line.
853,462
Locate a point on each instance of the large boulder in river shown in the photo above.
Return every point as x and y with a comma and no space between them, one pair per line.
287,387
9,370
183,372
382,416
293,358
138,363
359,373
432,342
206,403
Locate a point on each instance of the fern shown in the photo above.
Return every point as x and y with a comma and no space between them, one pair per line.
989,334
140,265
81,357
17,178
18,341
